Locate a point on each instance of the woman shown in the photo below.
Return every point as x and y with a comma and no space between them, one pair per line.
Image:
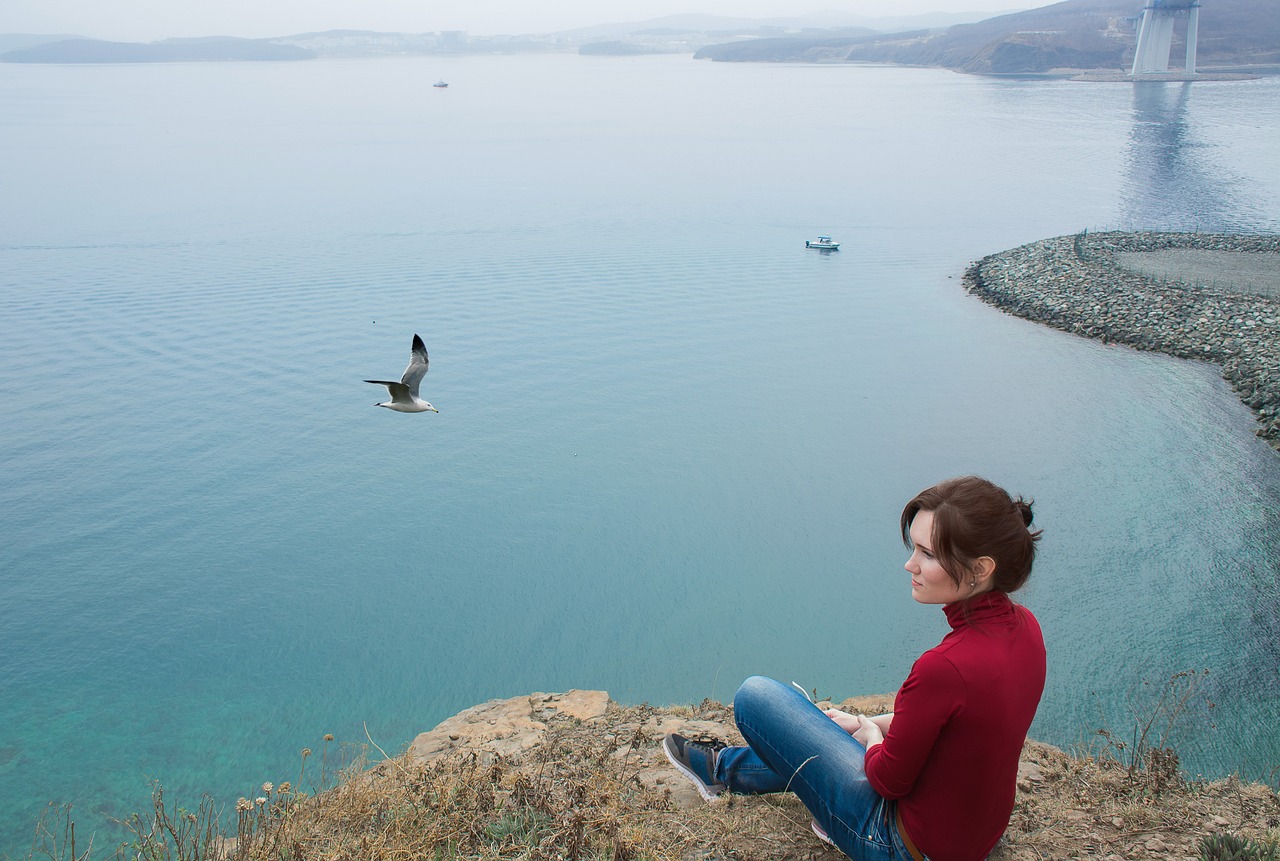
936,777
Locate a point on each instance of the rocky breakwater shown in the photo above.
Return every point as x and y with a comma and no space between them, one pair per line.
1210,297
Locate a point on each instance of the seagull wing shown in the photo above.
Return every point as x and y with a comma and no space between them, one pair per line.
417,368
400,393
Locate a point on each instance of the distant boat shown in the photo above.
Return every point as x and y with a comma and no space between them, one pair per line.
440,84
822,243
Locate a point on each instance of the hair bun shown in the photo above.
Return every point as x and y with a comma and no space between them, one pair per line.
1024,508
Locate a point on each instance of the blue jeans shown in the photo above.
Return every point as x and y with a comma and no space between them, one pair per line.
794,747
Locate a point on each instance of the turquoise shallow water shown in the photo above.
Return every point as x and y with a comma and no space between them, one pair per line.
672,444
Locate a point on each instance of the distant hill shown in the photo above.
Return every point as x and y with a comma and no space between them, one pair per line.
669,34
668,40
1084,35
803,48
827,20
168,51
1075,34
19,41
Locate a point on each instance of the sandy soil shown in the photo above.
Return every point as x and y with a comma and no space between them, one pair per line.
1236,271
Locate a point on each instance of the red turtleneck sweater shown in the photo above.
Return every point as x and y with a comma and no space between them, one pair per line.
950,757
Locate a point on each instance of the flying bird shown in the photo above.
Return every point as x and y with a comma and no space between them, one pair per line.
404,394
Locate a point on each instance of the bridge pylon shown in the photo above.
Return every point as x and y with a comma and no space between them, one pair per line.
1155,35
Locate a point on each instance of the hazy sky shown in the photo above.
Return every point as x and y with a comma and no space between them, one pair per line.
158,19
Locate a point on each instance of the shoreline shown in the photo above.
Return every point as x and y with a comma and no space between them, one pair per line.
1096,285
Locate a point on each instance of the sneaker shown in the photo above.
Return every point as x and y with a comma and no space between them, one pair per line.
696,760
821,833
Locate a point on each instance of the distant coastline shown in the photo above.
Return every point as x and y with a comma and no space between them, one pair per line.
1083,39
169,51
1204,296
1092,40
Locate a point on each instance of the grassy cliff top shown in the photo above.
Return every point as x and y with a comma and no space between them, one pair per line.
578,776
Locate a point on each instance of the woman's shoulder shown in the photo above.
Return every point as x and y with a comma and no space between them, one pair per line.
941,660
1027,619
936,670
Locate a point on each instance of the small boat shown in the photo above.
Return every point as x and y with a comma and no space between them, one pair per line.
441,84
824,243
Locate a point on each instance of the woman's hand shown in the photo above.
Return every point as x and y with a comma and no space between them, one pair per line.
865,730
844,720
868,732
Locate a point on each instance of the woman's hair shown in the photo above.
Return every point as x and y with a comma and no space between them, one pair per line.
973,518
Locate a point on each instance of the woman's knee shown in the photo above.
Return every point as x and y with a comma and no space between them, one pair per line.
755,692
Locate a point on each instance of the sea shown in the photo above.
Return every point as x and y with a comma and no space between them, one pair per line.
672,443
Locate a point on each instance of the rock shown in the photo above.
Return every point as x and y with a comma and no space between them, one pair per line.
506,727
509,728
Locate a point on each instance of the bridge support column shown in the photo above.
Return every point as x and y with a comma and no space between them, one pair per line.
1155,35
1154,39
1193,26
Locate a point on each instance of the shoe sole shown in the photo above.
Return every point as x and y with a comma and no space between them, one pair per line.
820,833
708,793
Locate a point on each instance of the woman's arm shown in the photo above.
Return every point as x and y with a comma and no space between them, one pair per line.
925,703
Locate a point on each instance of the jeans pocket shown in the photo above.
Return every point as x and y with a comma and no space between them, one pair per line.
875,833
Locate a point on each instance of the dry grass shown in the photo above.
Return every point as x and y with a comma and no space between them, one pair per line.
588,791
1086,807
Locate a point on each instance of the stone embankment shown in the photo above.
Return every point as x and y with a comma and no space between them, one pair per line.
1099,286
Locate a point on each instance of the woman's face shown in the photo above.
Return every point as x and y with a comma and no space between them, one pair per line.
930,583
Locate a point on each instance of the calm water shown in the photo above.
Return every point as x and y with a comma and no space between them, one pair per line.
672,445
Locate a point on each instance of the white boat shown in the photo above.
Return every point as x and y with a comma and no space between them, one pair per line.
824,243
440,84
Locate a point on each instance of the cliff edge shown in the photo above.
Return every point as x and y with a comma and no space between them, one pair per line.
591,772
575,776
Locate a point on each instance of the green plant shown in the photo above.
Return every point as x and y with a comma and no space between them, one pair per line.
519,827
1233,847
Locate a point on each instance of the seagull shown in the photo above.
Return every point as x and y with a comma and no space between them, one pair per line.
404,394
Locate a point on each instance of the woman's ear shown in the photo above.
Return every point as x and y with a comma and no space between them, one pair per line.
984,567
